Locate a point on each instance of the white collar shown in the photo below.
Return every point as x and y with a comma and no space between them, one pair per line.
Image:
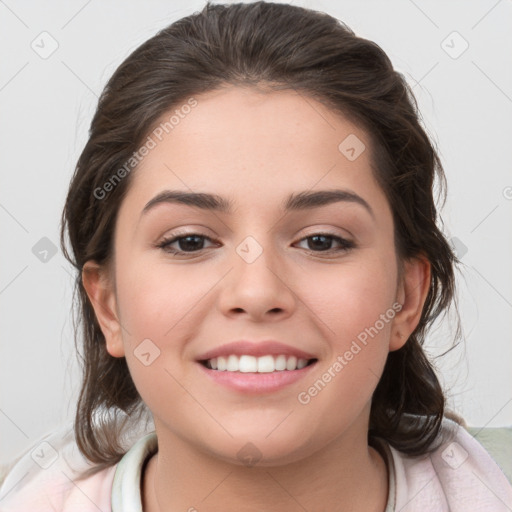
126,487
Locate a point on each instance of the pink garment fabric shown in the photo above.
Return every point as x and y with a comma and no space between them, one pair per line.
457,477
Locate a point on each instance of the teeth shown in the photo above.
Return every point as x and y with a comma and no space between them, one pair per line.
251,364
291,363
265,364
248,364
301,363
232,364
280,363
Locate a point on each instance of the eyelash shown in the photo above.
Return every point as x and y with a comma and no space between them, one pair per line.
346,245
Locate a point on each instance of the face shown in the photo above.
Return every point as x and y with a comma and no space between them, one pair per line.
271,281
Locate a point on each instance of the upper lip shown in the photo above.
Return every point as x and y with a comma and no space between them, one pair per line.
256,349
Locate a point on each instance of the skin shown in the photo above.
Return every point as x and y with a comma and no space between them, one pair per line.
256,148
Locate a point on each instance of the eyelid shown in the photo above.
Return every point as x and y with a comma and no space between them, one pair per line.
331,231
184,232
345,245
187,231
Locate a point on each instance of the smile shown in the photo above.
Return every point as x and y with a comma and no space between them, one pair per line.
255,367
252,364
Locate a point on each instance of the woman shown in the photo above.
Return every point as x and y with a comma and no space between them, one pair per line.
258,262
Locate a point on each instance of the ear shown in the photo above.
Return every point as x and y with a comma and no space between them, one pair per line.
412,292
101,293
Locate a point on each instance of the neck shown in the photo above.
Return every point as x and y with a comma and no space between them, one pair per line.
345,475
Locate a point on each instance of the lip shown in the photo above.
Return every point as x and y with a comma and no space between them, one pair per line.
252,382
256,349
256,383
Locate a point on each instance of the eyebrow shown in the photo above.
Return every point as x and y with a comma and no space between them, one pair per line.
295,202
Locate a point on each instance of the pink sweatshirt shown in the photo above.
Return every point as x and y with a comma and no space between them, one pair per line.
459,476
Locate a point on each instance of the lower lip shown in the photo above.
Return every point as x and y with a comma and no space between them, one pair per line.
257,383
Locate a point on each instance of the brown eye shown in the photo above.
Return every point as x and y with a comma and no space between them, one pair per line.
188,243
322,242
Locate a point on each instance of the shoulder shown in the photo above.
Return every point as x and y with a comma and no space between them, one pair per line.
458,475
47,477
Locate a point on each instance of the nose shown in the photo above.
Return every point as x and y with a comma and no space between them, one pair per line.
259,288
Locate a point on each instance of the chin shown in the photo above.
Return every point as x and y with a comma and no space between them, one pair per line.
259,451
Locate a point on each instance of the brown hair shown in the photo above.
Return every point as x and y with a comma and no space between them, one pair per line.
281,47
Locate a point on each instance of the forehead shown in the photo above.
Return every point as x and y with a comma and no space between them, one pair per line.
245,143
244,118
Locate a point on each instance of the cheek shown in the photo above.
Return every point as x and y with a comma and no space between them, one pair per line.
155,298
351,297
357,307
356,314
354,305
159,306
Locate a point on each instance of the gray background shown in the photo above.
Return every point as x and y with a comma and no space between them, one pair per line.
47,102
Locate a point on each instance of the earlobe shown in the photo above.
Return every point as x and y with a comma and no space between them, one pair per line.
412,293
101,294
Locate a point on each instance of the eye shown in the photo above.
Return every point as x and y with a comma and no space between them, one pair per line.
322,242
187,243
